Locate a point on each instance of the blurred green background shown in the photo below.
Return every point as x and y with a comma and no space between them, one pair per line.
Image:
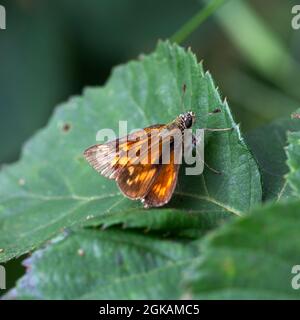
53,49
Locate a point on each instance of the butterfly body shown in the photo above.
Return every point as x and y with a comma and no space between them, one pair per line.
139,164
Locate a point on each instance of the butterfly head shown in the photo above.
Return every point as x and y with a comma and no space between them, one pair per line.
187,120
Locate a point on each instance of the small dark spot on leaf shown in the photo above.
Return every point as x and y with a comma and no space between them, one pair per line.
217,110
66,127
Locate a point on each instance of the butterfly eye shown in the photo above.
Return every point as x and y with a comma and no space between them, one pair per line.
188,122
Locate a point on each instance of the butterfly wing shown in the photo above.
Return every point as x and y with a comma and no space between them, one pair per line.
164,185
136,180
117,160
153,180
110,158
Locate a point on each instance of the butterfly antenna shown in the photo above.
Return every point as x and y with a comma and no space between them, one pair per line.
210,168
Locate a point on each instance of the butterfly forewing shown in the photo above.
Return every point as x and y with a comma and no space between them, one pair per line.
110,158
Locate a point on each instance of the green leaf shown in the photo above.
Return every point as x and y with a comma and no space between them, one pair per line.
111,264
293,154
251,258
52,187
267,144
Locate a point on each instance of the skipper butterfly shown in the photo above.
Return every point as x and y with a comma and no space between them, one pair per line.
136,161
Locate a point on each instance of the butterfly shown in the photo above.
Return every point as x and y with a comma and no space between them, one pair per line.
135,161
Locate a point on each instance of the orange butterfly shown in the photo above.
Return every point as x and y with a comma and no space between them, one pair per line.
135,161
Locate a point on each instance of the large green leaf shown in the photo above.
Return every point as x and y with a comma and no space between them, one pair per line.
267,144
52,187
252,258
111,264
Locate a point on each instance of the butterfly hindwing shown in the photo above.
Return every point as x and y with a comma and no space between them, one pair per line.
136,180
163,187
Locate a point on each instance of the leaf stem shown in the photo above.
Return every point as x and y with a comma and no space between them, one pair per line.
191,25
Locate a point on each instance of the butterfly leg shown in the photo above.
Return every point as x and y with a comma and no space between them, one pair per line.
218,129
194,143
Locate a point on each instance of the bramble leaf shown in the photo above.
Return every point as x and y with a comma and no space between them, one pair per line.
110,264
267,144
52,187
251,258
